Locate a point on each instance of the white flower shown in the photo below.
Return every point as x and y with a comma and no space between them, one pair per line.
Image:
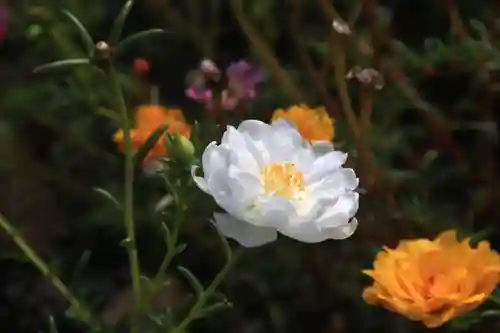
269,180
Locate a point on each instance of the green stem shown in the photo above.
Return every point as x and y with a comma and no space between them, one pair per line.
129,189
172,241
78,310
211,289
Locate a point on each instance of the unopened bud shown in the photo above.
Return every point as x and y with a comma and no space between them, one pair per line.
103,49
341,27
180,148
367,76
210,69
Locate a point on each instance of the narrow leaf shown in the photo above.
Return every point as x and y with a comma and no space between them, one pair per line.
52,325
180,248
167,235
163,203
113,115
491,313
127,243
117,29
213,308
86,38
143,151
62,64
109,197
80,265
129,41
225,244
193,281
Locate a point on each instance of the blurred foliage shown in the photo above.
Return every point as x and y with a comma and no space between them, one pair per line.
432,139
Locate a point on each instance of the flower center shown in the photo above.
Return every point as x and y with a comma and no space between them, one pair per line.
284,180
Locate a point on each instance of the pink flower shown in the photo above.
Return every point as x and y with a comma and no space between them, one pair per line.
241,79
4,20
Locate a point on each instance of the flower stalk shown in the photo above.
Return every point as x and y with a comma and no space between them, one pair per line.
197,309
77,309
128,215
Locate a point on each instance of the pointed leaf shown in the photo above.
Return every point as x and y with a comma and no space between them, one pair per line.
143,151
491,313
193,281
163,203
127,243
113,115
213,308
80,265
52,325
180,248
129,41
225,244
167,235
117,29
109,197
481,235
60,64
86,38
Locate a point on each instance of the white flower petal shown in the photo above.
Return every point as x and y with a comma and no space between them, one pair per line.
254,128
244,233
344,231
326,164
214,157
322,147
245,186
200,181
271,211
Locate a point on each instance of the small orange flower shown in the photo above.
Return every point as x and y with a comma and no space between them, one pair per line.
313,124
148,118
433,281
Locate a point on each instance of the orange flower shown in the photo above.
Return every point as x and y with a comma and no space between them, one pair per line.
313,124
433,281
147,119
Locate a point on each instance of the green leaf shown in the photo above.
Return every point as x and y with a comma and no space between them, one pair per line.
60,64
108,196
167,235
193,281
225,244
491,313
162,204
480,29
143,151
180,248
481,235
127,243
110,114
52,325
213,308
80,265
134,38
87,39
117,29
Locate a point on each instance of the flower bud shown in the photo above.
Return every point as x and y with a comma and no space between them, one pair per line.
180,148
103,49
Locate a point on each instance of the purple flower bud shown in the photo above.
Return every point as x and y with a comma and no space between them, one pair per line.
243,78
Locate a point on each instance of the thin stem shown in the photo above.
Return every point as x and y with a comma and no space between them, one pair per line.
78,310
265,53
200,303
129,189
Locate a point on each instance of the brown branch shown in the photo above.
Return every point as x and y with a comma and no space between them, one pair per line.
266,55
